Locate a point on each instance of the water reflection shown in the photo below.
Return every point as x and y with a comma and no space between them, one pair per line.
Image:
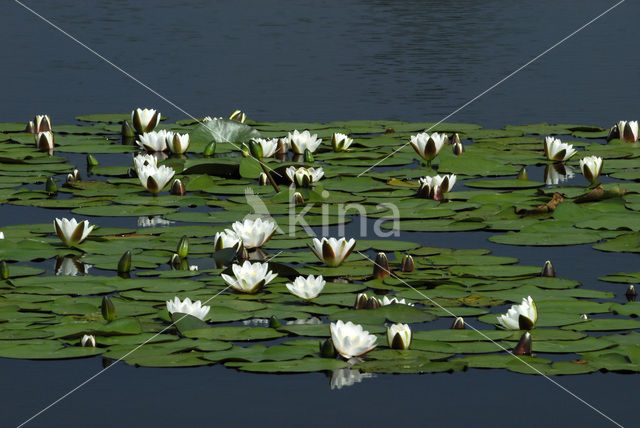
348,377
557,173
308,321
154,221
71,266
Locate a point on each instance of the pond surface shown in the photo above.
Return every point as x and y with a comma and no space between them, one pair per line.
412,61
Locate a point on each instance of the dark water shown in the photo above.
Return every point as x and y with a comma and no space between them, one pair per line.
322,61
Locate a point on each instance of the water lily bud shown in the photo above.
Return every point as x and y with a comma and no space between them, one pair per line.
88,340
210,149
91,160
458,148
628,131
42,123
124,265
177,188
178,143
340,142
282,147
274,322
524,345
255,149
31,128
108,309
458,324
44,141
183,247
548,270
381,266
407,263
584,317
361,301
145,120
262,179
631,293
127,131
174,261
327,350
238,116
4,270
399,336
455,139
522,175
51,187
373,303
308,156
614,134
591,167
245,150
298,199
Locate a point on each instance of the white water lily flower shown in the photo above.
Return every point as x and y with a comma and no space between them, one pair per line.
348,377
188,307
399,336
269,146
44,141
428,146
226,239
591,167
88,340
385,301
340,142
249,277
332,251
627,131
179,143
42,123
304,177
520,317
445,182
351,340
154,178
145,120
556,150
143,160
557,173
254,233
71,232
307,288
301,141
153,141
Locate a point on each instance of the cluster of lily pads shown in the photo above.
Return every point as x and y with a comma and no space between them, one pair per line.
196,291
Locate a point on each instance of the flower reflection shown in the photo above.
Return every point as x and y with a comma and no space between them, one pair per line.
557,173
308,321
347,377
70,266
153,221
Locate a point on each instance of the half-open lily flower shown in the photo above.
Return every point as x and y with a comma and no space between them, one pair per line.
385,301
254,233
238,116
179,143
154,141
88,340
269,146
351,340
340,142
145,120
399,336
556,150
557,173
307,288
520,317
428,146
71,232
249,277
188,307
301,141
625,131
444,182
226,239
332,251
42,123
304,177
44,141
591,167
154,178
